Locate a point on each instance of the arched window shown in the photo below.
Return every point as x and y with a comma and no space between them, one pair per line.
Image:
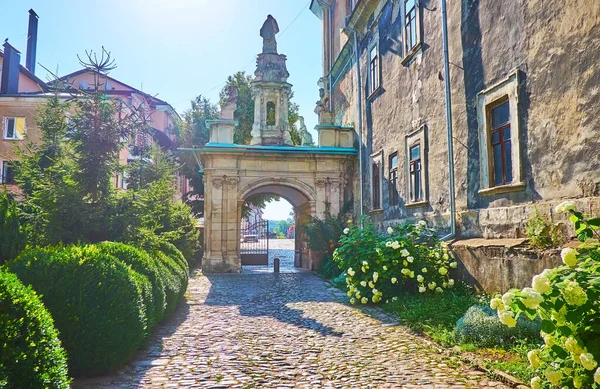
270,113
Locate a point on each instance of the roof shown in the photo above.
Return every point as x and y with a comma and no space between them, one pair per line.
155,99
32,76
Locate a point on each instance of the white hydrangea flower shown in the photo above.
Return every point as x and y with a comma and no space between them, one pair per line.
375,291
405,271
422,289
506,317
549,340
565,206
541,284
569,256
532,298
496,303
365,263
432,285
350,293
534,358
553,376
597,376
424,270
577,381
536,383
410,259
394,298
390,230
572,346
404,253
385,268
508,297
351,272
388,244
396,245
364,300
587,361
346,230
420,278
443,271
363,284
450,282
353,301
394,280
453,265
412,274
371,284
439,290
375,276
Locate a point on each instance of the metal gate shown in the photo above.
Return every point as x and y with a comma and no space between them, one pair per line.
254,244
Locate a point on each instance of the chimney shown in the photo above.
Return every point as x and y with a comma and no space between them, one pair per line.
9,84
31,41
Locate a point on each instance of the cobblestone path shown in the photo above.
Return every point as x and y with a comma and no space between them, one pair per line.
283,331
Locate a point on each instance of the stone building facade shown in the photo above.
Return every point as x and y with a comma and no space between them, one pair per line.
524,79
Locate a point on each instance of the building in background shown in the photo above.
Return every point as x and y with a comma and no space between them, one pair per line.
22,92
524,88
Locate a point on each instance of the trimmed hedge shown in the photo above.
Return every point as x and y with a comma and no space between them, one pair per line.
144,264
31,355
95,301
175,277
173,252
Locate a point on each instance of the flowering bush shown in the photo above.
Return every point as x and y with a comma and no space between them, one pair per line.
379,266
567,300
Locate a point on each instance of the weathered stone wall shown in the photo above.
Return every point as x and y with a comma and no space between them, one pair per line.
554,45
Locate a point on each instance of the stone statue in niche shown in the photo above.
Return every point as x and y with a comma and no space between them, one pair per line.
268,32
306,137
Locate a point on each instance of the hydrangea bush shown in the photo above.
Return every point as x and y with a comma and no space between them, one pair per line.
380,266
567,300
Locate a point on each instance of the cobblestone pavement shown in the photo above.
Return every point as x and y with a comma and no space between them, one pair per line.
284,331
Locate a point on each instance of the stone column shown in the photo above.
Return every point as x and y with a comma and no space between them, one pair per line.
232,225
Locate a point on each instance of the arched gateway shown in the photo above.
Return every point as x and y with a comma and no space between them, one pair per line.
308,177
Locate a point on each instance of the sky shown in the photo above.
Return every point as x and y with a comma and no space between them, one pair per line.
174,49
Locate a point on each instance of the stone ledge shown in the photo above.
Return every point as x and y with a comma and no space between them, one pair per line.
482,242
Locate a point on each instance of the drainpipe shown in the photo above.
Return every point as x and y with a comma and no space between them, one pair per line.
360,118
448,125
330,15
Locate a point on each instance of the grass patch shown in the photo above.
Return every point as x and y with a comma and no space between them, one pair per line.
435,316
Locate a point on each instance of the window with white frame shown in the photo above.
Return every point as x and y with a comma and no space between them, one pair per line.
499,134
7,176
416,163
14,128
374,69
376,180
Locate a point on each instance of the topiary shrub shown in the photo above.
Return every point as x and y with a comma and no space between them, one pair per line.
12,237
175,254
31,355
175,278
481,326
144,264
95,301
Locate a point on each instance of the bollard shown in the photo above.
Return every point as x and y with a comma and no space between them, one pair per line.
276,265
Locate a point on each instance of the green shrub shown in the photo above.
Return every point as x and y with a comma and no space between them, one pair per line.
378,266
175,254
175,278
566,300
12,238
31,355
542,233
481,326
95,301
141,262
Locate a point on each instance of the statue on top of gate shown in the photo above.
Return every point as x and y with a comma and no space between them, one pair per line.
268,32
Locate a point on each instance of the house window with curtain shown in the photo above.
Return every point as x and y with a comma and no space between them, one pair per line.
376,180
412,29
415,169
393,177
14,128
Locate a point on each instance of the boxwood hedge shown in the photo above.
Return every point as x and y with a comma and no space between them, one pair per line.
31,355
95,301
175,277
146,265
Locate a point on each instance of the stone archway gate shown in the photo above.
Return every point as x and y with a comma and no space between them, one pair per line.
307,177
